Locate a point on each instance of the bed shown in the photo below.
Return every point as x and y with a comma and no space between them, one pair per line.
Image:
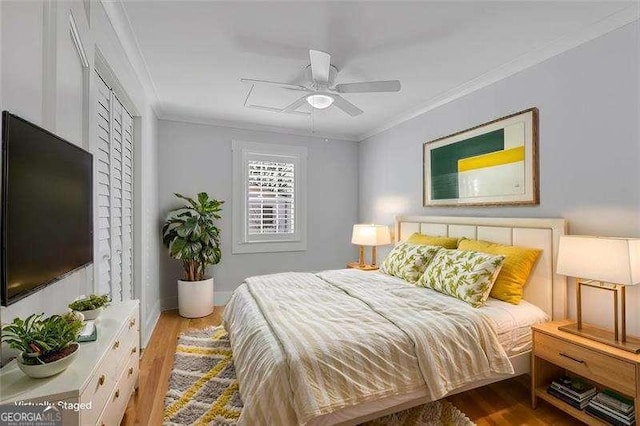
347,346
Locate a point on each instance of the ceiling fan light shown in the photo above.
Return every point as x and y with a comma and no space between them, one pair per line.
320,101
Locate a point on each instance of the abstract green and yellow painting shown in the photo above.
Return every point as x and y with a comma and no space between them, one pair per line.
494,163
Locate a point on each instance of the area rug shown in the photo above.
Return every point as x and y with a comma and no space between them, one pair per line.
203,389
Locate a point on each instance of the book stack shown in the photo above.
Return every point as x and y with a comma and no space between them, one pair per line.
612,408
89,332
573,391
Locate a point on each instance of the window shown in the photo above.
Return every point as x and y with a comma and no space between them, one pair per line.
269,197
114,200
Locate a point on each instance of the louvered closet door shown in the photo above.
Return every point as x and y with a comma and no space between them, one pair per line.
116,200
127,206
115,196
103,182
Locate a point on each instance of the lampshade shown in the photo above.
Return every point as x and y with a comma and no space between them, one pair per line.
370,235
611,260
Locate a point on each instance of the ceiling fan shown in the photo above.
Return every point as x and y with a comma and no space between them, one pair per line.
320,92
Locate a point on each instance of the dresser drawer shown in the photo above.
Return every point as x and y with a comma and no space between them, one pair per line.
97,392
103,382
129,342
121,348
119,398
590,364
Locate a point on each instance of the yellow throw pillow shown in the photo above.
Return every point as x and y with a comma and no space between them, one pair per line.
519,261
429,240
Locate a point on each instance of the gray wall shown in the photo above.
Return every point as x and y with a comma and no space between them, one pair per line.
196,157
588,99
589,141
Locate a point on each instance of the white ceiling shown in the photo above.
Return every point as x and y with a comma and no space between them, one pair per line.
196,52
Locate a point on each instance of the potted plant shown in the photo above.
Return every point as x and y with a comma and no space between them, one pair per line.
192,237
47,345
91,306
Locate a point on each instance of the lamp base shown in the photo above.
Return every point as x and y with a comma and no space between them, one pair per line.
363,267
587,331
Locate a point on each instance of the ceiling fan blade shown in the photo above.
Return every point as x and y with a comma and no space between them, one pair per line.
369,86
320,64
273,83
293,106
346,106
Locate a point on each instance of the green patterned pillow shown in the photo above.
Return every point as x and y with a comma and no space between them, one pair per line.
466,275
408,261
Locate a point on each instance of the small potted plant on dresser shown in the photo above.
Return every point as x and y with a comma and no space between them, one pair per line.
192,237
47,345
90,307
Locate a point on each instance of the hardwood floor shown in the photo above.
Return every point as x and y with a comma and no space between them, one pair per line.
146,405
502,403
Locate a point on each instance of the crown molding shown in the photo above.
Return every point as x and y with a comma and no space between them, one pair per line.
560,45
122,26
241,125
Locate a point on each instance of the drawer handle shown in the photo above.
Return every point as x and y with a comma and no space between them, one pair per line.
130,370
572,358
101,379
134,350
117,395
116,345
132,322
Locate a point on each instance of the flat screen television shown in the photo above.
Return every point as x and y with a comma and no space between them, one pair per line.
47,208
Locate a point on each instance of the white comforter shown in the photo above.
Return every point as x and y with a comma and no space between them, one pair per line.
308,344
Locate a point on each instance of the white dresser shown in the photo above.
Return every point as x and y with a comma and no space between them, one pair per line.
103,376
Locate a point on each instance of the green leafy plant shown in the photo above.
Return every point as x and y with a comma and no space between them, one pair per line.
192,237
42,340
90,303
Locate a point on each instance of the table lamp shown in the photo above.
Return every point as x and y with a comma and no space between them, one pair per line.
605,263
369,235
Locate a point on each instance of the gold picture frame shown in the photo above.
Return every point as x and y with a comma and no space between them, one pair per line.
492,164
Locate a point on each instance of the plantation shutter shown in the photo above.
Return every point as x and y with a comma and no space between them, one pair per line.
116,200
127,206
270,192
115,196
103,189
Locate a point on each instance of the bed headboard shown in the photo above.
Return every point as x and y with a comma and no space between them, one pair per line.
545,288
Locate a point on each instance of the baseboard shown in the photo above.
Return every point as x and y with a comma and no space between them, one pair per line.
150,324
220,298
169,303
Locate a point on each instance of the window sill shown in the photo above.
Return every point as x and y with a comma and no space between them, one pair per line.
268,246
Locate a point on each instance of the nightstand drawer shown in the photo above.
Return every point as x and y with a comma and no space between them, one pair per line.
604,369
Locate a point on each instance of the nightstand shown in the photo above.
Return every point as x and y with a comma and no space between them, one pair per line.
556,353
365,267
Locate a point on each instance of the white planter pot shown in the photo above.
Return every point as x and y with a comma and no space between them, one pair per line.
40,371
195,298
92,314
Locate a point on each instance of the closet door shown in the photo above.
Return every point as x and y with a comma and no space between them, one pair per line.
103,189
116,200
115,196
127,206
